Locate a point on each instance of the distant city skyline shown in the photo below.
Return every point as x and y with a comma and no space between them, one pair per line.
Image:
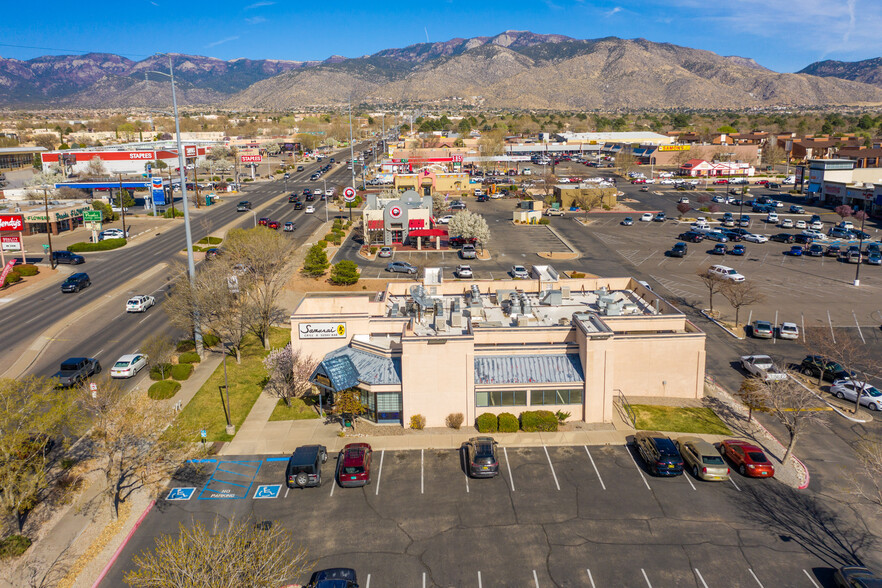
779,34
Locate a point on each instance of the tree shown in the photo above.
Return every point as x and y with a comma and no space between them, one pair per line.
469,225
625,161
846,350
46,141
316,261
240,553
32,412
344,273
844,211
95,168
683,208
869,454
741,294
703,199
159,349
726,129
713,208
791,404
349,403
439,202
749,396
289,372
714,285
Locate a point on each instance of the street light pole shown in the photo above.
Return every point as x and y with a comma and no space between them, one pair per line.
48,227
230,428
122,208
857,270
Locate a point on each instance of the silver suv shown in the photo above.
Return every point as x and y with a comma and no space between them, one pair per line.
468,252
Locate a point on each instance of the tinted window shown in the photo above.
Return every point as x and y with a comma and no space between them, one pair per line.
665,446
484,451
121,364
712,460
353,470
757,457
70,366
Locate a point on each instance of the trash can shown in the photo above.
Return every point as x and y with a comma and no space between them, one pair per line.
209,199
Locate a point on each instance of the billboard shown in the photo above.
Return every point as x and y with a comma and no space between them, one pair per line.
157,191
189,150
250,158
10,243
674,147
11,222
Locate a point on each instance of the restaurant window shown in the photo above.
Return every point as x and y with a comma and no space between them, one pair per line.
551,397
501,398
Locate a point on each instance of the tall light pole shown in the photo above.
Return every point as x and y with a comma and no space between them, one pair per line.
48,227
857,270
351,146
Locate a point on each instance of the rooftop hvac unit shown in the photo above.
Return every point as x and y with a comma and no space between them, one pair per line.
552,298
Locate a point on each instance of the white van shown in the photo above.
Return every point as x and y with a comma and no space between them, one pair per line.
527,171
725,272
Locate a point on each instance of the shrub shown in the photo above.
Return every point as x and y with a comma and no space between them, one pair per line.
316,261
160,371
544,221
181,371
210,339
344,273
487,423
107,214
27,269
177,212
105,245
330,237
13,546
508,423
163,390
710,189
228,180
211,240
189,357
538,420
322,243
11,278
186,345
454,420
562,416
418,422
373,250
577,275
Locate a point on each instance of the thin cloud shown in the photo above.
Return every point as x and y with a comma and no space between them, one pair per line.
258,5
222,41
550,4
255,20
615,10
154,3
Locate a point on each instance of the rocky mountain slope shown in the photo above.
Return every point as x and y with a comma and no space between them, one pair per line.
514,69
868,71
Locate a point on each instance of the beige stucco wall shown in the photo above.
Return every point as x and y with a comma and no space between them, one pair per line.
660,365
437,380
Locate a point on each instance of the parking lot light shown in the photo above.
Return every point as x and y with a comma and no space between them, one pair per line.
862,215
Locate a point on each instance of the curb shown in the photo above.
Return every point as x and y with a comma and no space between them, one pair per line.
123,544
719,324
836,409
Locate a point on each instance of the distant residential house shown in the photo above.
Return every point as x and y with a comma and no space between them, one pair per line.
862,156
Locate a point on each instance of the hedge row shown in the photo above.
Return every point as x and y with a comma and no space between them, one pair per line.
181,371
27,269
163,390
104,245
189,357
531,421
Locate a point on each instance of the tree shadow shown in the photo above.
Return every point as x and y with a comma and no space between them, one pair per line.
800,516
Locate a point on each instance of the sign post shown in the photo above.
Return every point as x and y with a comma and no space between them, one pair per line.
12,222
349,197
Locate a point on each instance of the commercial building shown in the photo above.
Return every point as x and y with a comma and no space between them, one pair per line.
130,158
439,347
64,215
698,168
837,181
404,218
18,157
430,180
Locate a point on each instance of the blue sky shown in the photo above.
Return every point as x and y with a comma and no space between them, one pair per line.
784,35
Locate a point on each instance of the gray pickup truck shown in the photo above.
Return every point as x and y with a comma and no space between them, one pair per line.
76,370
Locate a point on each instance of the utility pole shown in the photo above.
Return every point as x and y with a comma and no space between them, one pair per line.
48,228
122,208
351,146
171,192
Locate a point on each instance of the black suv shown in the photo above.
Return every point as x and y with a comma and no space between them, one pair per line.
305,466
815,365
76,282
679,249
659,453
481,457
243,206
293,198
692,236
333,578
67,257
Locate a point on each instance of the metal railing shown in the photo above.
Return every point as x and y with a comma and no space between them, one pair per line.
625,407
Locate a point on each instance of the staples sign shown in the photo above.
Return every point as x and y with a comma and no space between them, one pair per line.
251,159
141,155
11,222
189,151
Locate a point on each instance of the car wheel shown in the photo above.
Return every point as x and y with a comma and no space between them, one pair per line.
695,471
301,480
742,470
873,406
324,457
840,395
97,368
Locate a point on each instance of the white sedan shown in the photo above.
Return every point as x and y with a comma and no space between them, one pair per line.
871,397
752,238
140,303
128,366
445,219
309,209
646,217
683,200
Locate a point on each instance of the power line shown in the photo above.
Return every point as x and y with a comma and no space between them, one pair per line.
82,51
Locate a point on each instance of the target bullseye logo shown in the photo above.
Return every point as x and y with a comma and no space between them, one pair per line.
349,194
395,212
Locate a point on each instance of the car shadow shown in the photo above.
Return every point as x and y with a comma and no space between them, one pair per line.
464,460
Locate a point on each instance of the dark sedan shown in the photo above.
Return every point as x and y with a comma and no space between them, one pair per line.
782,238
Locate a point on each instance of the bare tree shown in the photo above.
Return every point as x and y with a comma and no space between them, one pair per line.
741,294
241,554
95,168
750,397
683,208
713,283
772,154
789,403
289,372
869,454
625,161
846,350
159,349
844,211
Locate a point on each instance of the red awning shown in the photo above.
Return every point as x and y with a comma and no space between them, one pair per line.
375,225
427,233
415,223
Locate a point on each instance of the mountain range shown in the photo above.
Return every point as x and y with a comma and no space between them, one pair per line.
514,69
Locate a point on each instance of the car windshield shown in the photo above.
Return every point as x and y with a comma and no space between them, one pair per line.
133,301
712,460
353,470
757,457
121,364
665,447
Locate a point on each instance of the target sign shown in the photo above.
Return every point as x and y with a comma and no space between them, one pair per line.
349,194
395,212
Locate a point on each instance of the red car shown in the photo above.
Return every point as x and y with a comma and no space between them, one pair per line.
355,465
273,225
762,182
748,458
262,222
638,181
721,181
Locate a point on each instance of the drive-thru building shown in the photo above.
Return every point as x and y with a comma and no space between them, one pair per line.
438,347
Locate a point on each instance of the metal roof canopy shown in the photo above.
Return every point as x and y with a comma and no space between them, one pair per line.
340,371
104,185
528,369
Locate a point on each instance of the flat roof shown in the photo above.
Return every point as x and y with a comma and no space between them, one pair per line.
13,150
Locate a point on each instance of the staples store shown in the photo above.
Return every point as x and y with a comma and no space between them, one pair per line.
120,161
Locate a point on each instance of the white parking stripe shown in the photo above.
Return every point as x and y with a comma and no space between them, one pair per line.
645,577
858,327
380,472
368,584
287,489
591,579
688,479
802,318
535,578
424,579
639,471
480,585
774,326
602,485
551,466
508,467
755,578
467,480
422,472
829,320
697,573
734,484
815,584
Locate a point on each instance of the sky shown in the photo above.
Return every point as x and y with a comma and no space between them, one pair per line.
783,35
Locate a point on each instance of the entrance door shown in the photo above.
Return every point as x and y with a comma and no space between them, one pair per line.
427,190
397,236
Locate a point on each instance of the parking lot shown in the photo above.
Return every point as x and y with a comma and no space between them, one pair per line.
555,516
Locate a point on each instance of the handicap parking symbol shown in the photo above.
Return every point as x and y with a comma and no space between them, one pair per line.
180,493
268,491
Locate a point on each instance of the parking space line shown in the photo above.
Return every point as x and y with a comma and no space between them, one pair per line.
368,582
508,467
774,326
422,472
830,321
815,584
591,579
685,475
858,327
334,483
755,578
287,489
802,318
645,577
697,573
380,472
536,578
467,480
424,579
639,471
480,585
734,484
551,466
602,485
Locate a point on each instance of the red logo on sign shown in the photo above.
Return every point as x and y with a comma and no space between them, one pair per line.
395,212
189,151
11,222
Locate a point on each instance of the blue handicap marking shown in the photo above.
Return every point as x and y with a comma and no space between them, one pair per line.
268,491
180,494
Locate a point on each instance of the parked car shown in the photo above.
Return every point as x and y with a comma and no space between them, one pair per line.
874,258
401,267
788,331
459,241
691,236
747,458
762,330
854,257
128,366
797,209
76,282
74,370
463,271
737,250
333,578
786,223
733,236
67,257
659,453
702,459
304,468
113,234
753,238
717,236
762,367
480,453
795,251
444,219
519,272
800,224
140,303
725,273
659,217
627,221
782,238
384,252
354,465
719,249
468,252
683,200
212,252
772,217
646,217
817,366
679,249
871,397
